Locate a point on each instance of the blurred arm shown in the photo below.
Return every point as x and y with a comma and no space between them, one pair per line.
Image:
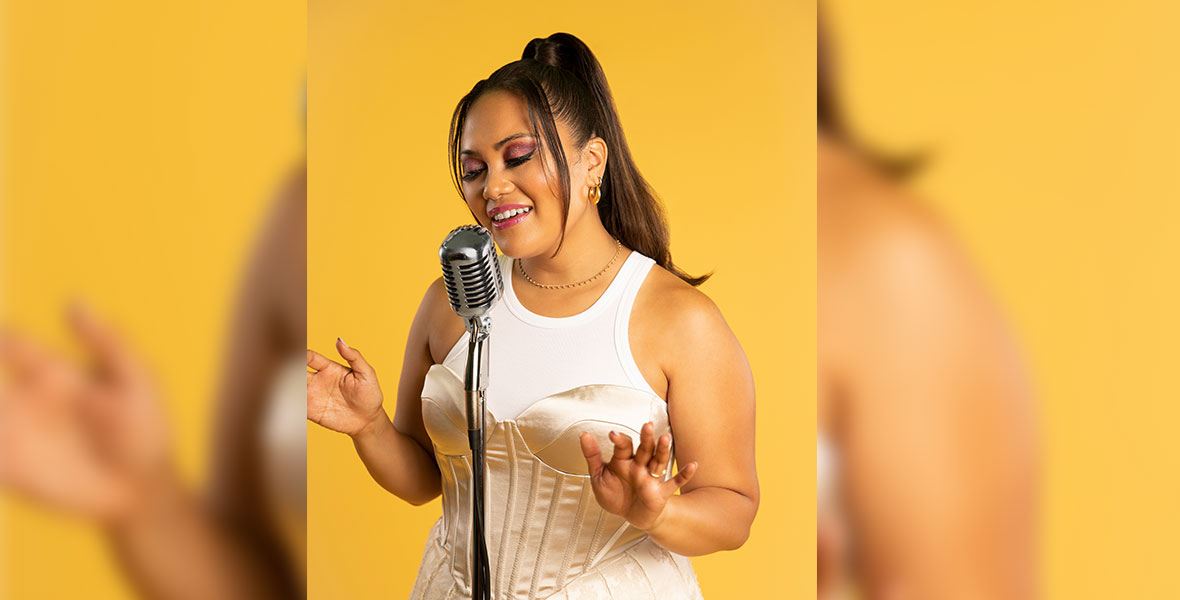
936,429
176,544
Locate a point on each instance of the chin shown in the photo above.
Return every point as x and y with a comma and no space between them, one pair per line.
512,249
520,246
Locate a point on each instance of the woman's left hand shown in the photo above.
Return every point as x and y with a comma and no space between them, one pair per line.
632,484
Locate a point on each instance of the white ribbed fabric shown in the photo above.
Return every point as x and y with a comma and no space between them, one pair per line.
533,356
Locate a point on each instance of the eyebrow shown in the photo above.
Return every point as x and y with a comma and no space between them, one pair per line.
500,144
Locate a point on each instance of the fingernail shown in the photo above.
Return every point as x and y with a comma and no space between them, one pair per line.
341,340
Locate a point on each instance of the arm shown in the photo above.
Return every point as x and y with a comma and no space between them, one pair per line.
225,539
95,441
173,547
117,457
398,454
711,407
710,394
936,432
269,326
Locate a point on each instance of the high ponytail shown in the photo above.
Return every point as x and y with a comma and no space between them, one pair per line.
559,78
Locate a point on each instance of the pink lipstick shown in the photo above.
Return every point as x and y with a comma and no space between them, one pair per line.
508,215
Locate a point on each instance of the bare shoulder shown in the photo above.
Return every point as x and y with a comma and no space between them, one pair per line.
881,240
866,217
673,320
436,323
668,301
896,282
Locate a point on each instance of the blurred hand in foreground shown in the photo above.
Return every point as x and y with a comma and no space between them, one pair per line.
89,439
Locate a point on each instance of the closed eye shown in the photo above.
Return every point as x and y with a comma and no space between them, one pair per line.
472,170
520,160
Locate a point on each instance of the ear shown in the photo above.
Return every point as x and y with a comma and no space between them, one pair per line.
594,156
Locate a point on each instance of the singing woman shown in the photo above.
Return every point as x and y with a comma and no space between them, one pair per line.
614,382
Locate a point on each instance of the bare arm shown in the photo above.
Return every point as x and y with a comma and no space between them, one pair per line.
711,407
710,393
172,547
397,453
936,430
176,543
268,326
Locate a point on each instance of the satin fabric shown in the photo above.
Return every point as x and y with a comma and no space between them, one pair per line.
547,537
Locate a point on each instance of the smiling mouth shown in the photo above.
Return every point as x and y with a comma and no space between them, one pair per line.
506,215
507,218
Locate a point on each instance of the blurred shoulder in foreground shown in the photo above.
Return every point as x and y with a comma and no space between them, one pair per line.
922,394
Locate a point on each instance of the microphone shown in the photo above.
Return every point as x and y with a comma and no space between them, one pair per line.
471,272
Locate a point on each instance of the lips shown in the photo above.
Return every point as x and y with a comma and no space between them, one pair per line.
509,214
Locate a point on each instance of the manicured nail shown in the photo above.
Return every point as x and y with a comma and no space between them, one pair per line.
341,340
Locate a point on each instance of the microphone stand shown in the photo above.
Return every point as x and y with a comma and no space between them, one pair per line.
475,384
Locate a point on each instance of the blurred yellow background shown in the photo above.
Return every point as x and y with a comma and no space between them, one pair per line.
142,145
717,104
1054,143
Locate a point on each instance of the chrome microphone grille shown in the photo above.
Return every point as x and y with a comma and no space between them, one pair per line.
470,270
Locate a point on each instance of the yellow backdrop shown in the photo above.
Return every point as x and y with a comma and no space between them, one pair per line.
717,104
1054,141
142,144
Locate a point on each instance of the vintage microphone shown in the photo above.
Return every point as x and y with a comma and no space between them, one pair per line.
474,284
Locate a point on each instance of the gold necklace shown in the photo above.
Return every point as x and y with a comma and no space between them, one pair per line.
618,248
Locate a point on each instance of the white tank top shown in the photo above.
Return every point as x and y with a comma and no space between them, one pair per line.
533,356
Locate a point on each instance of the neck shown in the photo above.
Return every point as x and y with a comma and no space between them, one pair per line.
584,252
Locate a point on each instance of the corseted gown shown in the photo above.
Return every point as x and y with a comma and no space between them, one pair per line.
549,380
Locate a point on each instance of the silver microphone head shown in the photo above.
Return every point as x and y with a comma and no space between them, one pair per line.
471,271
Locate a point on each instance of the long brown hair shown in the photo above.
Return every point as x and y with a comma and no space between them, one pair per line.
558,77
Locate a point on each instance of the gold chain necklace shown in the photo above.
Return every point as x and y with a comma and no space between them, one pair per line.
618,248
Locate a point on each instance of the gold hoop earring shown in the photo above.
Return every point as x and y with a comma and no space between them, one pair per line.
596,192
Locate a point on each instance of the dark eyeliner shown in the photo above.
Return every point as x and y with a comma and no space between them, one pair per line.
471,175
520,160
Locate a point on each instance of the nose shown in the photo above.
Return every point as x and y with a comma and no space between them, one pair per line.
497,185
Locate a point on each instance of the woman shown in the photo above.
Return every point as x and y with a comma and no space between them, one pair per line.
595,345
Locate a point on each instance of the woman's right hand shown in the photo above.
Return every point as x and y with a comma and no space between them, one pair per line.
343,399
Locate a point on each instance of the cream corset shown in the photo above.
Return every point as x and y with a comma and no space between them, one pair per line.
546,533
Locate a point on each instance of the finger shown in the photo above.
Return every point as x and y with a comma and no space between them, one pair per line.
681,478
623,447
34,373
319,362
358,363
20,355
592,452
647,444
107,347
659,462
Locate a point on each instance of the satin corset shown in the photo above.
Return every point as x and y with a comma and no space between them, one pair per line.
545,530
